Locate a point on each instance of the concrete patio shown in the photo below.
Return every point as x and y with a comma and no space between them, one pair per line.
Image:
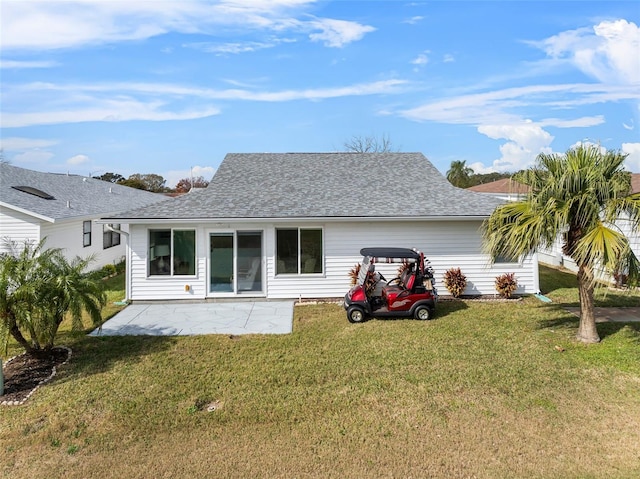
185,319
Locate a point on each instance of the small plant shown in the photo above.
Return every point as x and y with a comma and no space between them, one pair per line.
108,270
455,281
506,284
353,274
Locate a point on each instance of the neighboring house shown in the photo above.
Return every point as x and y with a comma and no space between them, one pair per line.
292,225
505,189
63,208
510,190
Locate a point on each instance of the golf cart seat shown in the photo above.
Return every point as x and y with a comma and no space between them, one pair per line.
404,285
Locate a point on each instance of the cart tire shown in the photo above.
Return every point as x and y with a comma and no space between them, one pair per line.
355,314
422,313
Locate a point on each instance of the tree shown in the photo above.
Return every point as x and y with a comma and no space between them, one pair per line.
578,195
111,177
148,181
368,144
459,174
38,287
185,184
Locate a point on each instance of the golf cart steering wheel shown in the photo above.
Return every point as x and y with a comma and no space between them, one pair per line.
394,279
382,277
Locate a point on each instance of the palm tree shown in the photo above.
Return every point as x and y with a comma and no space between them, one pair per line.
459,173
579,195
38,287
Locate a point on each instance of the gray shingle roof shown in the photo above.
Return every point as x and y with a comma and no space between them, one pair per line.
75,196
317,185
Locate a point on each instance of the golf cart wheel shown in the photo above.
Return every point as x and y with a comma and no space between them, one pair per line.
422,313
355,314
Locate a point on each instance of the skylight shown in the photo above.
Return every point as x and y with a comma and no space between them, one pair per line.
34,191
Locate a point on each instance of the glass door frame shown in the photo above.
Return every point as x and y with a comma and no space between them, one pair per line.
261,277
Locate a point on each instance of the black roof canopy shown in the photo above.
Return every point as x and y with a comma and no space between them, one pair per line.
403,253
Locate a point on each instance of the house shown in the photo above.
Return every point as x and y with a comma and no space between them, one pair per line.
64,209
510,190
505,189
292,225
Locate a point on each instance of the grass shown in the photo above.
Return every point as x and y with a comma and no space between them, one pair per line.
484,390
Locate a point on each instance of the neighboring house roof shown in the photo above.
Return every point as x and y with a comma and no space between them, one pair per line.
635,182
323,185
74,196
508,186
502,186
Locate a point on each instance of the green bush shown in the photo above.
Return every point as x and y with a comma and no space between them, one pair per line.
108,270
506,284
455,282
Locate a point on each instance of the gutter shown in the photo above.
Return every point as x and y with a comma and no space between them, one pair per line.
315,219
110,227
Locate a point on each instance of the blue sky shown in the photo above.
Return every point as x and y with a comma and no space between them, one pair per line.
168,86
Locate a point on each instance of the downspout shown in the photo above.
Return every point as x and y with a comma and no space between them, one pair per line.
127,274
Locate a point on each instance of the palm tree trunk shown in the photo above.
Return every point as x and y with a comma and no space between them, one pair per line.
587,331
17,335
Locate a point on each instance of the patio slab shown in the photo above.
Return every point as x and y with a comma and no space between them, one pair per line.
180,319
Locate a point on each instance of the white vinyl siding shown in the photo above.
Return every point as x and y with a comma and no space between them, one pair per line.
17,227
447,244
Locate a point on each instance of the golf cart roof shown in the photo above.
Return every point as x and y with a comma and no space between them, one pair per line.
390,253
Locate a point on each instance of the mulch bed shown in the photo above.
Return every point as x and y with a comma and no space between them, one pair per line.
24,374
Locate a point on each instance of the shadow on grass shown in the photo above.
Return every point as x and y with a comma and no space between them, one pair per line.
611,328
561,318
450,306
98,354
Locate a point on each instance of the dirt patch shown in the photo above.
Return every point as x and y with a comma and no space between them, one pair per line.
24,374
615,315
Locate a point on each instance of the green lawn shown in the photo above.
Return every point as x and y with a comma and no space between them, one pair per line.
486,389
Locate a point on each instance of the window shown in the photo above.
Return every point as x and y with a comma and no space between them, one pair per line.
86,233
505,259
110,238
172,252
299,251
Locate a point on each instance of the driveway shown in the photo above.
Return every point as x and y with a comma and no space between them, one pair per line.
616,315
185,319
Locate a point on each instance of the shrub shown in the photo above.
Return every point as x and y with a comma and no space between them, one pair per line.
353,274
455,281
108,270
506,284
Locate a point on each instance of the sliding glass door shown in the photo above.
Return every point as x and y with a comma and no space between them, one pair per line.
235,262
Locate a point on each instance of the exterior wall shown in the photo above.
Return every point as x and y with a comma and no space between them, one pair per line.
18,227
447,244
68,236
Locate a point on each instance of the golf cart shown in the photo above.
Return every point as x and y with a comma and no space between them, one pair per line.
410,294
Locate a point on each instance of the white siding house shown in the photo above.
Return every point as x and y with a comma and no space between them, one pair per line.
292,226
512,191
64,209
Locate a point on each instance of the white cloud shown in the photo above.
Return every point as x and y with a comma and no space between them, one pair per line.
421,59
16,64
633,160
608,52
174,176
95,109
78,160
43,25
525,142
338,33
32,157
448,58
414,20
18,144
630,126
76,103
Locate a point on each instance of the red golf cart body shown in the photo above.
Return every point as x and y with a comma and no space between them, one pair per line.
412,294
